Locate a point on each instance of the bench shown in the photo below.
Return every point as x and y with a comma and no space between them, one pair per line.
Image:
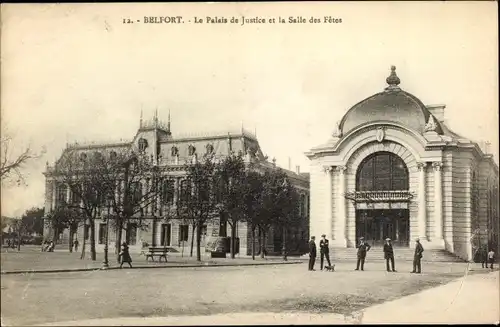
157,252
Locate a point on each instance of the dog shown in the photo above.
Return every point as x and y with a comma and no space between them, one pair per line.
330,268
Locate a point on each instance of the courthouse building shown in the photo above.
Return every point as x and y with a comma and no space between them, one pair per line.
393,168
173,153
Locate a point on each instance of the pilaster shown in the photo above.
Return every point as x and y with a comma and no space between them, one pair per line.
340,219
438,240
422,212
329,202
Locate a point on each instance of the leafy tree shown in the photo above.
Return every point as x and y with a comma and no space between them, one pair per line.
65,217
197,201
252,202
230,183
33,220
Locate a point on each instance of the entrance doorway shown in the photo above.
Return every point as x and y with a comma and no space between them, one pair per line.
375,225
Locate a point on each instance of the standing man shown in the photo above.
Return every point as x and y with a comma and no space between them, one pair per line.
491,258
324,250
312,253
362,249
389,254
417,267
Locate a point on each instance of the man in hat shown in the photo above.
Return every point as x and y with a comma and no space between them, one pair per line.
312,253
417,257
363,248
324,250
389,254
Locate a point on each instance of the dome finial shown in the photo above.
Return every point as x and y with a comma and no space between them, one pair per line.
393,79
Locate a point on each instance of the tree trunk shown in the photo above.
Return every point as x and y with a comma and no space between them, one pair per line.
118,241
84,241
263,244
253,241
192,239
232,242
198,242
19,240
92,240
285,250
70,245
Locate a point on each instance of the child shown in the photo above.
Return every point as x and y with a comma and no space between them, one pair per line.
491,257
125,255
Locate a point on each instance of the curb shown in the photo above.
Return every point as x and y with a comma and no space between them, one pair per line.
149,267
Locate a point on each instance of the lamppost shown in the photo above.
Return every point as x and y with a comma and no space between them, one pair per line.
105,264
285,224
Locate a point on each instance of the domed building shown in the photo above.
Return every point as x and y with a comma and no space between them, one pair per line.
394,169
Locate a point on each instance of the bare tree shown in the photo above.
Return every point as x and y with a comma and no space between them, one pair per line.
12,163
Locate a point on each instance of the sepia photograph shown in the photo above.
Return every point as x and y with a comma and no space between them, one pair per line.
271,163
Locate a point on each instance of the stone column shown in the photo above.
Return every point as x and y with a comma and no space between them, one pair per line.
422,212
329,203
340,237
438,203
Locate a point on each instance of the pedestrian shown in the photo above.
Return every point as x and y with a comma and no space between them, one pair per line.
324,250
312,253
76,243
125,255
417,257
491,258
389,255
51,246
484,256
363,248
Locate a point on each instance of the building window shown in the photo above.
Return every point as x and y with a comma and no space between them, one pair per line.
382,171
185,191
113,155
174,151
302,211
168,191
62,193
166,231
191,150
143,144
102,233
210,148
87,232
204,192
132,234
183,233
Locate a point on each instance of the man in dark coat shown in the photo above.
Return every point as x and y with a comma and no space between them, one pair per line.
324,250
312,253
363,248
389,254
417,257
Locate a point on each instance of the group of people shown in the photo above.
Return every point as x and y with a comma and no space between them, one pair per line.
48,246
363,249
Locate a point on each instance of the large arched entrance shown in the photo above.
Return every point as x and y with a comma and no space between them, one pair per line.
382,195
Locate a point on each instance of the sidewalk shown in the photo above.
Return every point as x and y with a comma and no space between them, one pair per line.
472,299
45,262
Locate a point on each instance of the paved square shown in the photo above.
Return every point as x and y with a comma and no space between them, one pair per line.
45,298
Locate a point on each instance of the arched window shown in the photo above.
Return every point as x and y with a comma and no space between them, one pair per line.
174,151
210,148
191,150
382,171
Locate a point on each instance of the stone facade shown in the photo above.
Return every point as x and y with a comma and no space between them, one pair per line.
452,185
173,152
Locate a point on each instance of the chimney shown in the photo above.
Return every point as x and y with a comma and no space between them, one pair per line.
289,163
297,170
438,111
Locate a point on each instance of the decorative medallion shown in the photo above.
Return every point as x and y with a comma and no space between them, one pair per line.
380,134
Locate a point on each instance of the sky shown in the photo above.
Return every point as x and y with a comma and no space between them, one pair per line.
75,72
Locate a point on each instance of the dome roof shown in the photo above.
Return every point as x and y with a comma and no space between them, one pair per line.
393,104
